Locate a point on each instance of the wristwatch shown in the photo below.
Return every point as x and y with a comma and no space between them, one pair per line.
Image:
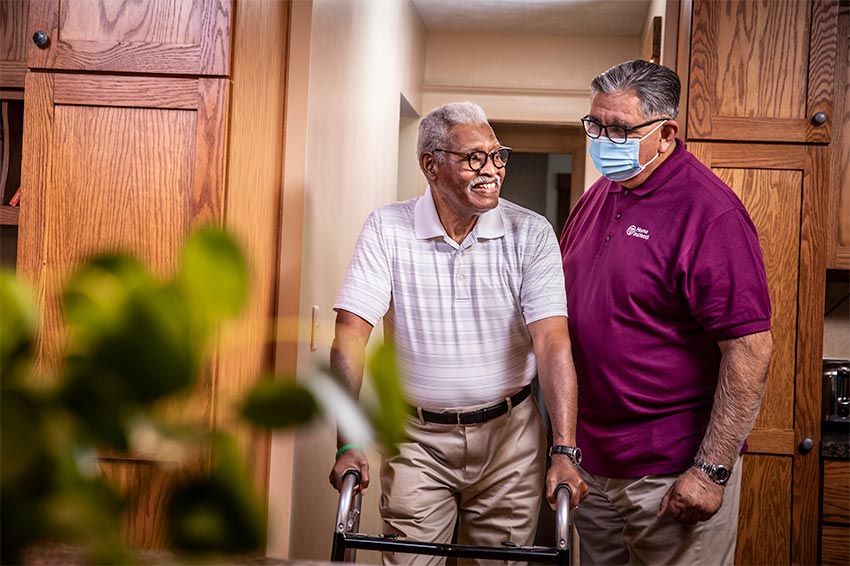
571,452
718,473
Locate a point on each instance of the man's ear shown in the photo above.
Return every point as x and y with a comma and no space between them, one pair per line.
668,135
428,164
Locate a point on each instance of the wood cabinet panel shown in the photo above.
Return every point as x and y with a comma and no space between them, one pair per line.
835,545
188,37
761,70
839,253
836,491
13,43
764,522
784,189
145,487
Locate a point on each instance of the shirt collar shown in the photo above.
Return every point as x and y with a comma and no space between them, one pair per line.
660,176
427,223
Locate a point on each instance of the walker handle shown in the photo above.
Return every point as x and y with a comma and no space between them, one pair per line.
563,494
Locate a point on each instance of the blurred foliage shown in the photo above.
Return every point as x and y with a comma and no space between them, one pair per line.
133,342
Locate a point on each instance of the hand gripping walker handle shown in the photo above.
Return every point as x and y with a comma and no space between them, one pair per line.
563,494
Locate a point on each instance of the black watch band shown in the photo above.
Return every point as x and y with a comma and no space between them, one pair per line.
717,473
571,452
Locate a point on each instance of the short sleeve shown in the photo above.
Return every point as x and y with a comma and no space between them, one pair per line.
725,283
367,288
543,293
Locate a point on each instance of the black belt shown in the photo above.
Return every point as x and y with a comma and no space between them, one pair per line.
473,417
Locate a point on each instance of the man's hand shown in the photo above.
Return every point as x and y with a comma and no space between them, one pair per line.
351,459
692,498
562,470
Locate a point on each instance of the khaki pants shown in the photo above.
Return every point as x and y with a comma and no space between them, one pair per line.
618,524
486,477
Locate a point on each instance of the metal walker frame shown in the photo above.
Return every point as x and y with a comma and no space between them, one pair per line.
347,540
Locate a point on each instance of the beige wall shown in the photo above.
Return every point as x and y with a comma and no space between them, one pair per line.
363,56
538,78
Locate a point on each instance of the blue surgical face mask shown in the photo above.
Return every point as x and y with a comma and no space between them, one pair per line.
619,161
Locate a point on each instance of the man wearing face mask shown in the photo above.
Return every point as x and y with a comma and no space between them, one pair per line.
470,288
670,326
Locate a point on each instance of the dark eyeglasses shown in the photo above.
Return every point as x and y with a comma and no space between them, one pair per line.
617,134
477,160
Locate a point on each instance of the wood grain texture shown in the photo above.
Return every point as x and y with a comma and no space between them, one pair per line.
836,491
4,164
13,32
773,199
835,545
9,215
145,486
13,43
823,57
774,172
162,36
215,41
771,441
808,384
113,90
35,180
839,254
253,214
764,519
760,69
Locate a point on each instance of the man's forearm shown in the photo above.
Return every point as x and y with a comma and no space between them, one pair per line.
557,377
740,387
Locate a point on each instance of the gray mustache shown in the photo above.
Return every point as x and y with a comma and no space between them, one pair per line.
486,179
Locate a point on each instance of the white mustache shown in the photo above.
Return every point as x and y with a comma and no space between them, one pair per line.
485,179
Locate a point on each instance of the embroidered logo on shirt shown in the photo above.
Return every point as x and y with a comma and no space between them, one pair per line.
637,232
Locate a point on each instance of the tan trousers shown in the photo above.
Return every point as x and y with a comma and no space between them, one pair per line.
618,524
486,477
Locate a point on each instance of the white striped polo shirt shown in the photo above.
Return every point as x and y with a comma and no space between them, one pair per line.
457,314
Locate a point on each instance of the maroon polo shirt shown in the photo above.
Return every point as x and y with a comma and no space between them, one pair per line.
655,277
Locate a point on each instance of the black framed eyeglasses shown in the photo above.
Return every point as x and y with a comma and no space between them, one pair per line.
477,160
617,134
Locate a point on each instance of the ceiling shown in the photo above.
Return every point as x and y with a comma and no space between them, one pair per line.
582,17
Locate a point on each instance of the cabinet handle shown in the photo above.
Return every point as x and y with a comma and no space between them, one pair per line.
807,444
820,118
40,38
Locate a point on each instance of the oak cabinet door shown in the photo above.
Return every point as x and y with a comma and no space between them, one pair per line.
762,70
784,190
129,163
184,37
13,43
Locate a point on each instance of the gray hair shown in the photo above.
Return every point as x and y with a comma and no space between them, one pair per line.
655,86
434,127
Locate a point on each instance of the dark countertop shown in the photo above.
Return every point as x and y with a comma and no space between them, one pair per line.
835,443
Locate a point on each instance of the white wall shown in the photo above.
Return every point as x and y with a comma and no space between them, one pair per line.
529,78
364,55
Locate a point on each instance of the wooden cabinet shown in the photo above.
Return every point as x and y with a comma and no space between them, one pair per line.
184,37
172,115
762,71
13,68
13,43
783,189
839,251
835,516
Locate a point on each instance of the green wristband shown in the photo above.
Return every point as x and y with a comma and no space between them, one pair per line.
345,448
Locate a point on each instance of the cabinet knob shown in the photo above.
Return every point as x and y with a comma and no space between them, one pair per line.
40,38
820,118
807,444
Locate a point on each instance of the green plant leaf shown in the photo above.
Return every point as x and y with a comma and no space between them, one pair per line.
17,326
279,404
390,414
216,513
213,276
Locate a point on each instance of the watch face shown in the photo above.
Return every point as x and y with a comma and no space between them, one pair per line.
721,474
577,456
